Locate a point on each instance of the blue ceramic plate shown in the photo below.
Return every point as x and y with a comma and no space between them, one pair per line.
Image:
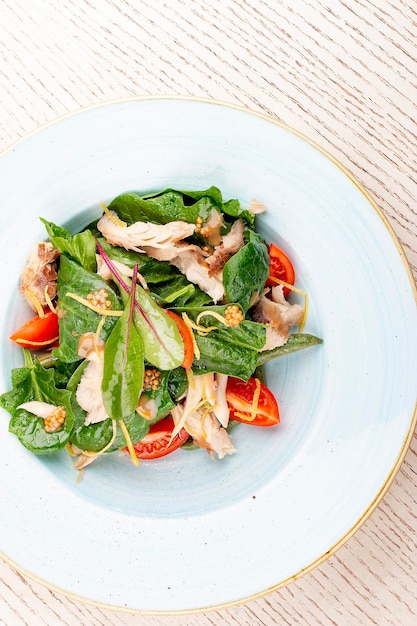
186,533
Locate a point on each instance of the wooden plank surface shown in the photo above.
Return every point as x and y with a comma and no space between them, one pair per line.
344,72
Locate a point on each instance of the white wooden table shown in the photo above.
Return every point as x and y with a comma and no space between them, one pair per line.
344,72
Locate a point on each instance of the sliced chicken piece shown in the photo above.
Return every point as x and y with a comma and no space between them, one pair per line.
212,227
198,414
279,315
191,261
193,399
206,431
141,234
255,207
88,393
171,252
83,460
193,265
39,275
147,407
230,244
104,271
38,408
53,416
233,241
221,409
208,388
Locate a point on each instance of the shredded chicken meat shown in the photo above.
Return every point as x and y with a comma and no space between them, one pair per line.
198,266
104,271
255,207
204,413
83,458
88,393
193,264
141,234
279,315
170,252
230,244
163,242
38,278
221,409
206,431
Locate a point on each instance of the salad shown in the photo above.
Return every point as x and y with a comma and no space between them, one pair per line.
150,329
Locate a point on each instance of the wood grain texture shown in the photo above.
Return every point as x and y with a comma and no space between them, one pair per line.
344,72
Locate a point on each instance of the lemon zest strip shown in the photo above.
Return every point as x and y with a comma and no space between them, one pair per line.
112,217
69,449
34,298
99,328
190,324
37,343
190,378
217,316
129,443
202,330
96,309
48,300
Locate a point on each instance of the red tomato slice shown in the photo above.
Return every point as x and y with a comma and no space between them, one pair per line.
240,397
280,267
38,332
186,337
156,443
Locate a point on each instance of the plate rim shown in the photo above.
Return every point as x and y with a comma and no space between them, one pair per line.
413,420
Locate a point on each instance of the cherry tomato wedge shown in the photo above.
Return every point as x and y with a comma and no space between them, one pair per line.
156,443
186,337
38,332
280,267
240,396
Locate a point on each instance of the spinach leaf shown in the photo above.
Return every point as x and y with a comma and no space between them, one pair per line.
33,382
172,204
227,350
295,342
246,272
161,208
197,297
177,383
63,372
123,367
213,193
248,334
179,292
233,209
95,437
230,208
76,376
224,357
80,247
75,318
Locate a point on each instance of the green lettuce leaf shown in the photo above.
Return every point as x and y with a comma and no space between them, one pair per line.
74,317
34,382
81,247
